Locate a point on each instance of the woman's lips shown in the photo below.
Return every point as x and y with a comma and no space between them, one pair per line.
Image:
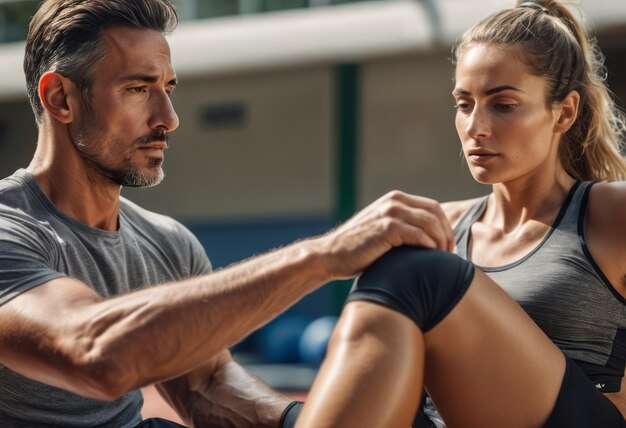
481,156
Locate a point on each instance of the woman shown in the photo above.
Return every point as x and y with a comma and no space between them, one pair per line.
537,123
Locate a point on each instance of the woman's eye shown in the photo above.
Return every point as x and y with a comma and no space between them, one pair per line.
461,106
505,108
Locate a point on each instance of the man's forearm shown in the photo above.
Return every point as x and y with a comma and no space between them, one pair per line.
222,393
164,331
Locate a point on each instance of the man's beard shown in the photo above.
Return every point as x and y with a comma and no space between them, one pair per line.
132,177
125,173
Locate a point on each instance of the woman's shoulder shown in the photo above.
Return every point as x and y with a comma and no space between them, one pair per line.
608,198
454,210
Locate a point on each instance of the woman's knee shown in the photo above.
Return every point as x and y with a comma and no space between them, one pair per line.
423,284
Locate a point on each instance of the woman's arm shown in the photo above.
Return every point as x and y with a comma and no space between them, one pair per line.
605,231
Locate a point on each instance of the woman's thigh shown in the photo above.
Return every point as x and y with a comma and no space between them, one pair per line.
487,364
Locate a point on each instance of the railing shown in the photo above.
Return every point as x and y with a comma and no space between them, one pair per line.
15,14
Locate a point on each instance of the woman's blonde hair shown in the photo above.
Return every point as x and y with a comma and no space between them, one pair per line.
553,44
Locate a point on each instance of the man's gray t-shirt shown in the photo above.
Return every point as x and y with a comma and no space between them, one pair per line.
39,243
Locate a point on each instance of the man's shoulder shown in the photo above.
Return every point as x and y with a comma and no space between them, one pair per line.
139,214
144,221
12,213
12,188
13,196
19,202
166,233
19,226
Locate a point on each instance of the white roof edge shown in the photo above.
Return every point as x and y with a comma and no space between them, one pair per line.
251,42
330,34
341,33
457,16
601,14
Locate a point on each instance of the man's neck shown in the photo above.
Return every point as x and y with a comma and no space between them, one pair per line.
75,188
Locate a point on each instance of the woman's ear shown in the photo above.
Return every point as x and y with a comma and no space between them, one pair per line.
58,95
567,112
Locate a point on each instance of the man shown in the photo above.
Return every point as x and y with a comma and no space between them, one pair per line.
99,297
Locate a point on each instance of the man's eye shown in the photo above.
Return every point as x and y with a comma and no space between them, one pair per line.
138,89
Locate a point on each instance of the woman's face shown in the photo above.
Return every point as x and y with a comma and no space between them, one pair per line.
506,128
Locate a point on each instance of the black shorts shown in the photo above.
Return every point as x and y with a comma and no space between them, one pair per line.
158,423
580,404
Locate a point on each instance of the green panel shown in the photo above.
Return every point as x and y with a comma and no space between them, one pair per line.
347,120
347,137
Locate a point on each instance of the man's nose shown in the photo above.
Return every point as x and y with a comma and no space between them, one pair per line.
163,114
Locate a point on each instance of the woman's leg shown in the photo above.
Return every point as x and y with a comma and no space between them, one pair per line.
485,364
372,374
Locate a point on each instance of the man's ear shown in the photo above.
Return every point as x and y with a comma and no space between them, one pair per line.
568,112
59,96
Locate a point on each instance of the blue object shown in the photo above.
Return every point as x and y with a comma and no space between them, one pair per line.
278,341
314,340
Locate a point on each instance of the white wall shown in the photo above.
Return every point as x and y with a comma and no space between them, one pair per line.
409,140
281,163
278,164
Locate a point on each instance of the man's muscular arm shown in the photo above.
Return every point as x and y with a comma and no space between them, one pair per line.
63,334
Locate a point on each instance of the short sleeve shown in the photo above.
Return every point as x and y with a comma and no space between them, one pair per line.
27,251
198,259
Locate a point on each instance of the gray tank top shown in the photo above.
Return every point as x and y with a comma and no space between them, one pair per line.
564,291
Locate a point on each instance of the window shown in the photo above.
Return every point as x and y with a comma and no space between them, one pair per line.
14,19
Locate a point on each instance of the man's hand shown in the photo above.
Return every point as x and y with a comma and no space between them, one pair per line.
395,219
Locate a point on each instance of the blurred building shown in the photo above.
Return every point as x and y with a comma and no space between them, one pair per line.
294,113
